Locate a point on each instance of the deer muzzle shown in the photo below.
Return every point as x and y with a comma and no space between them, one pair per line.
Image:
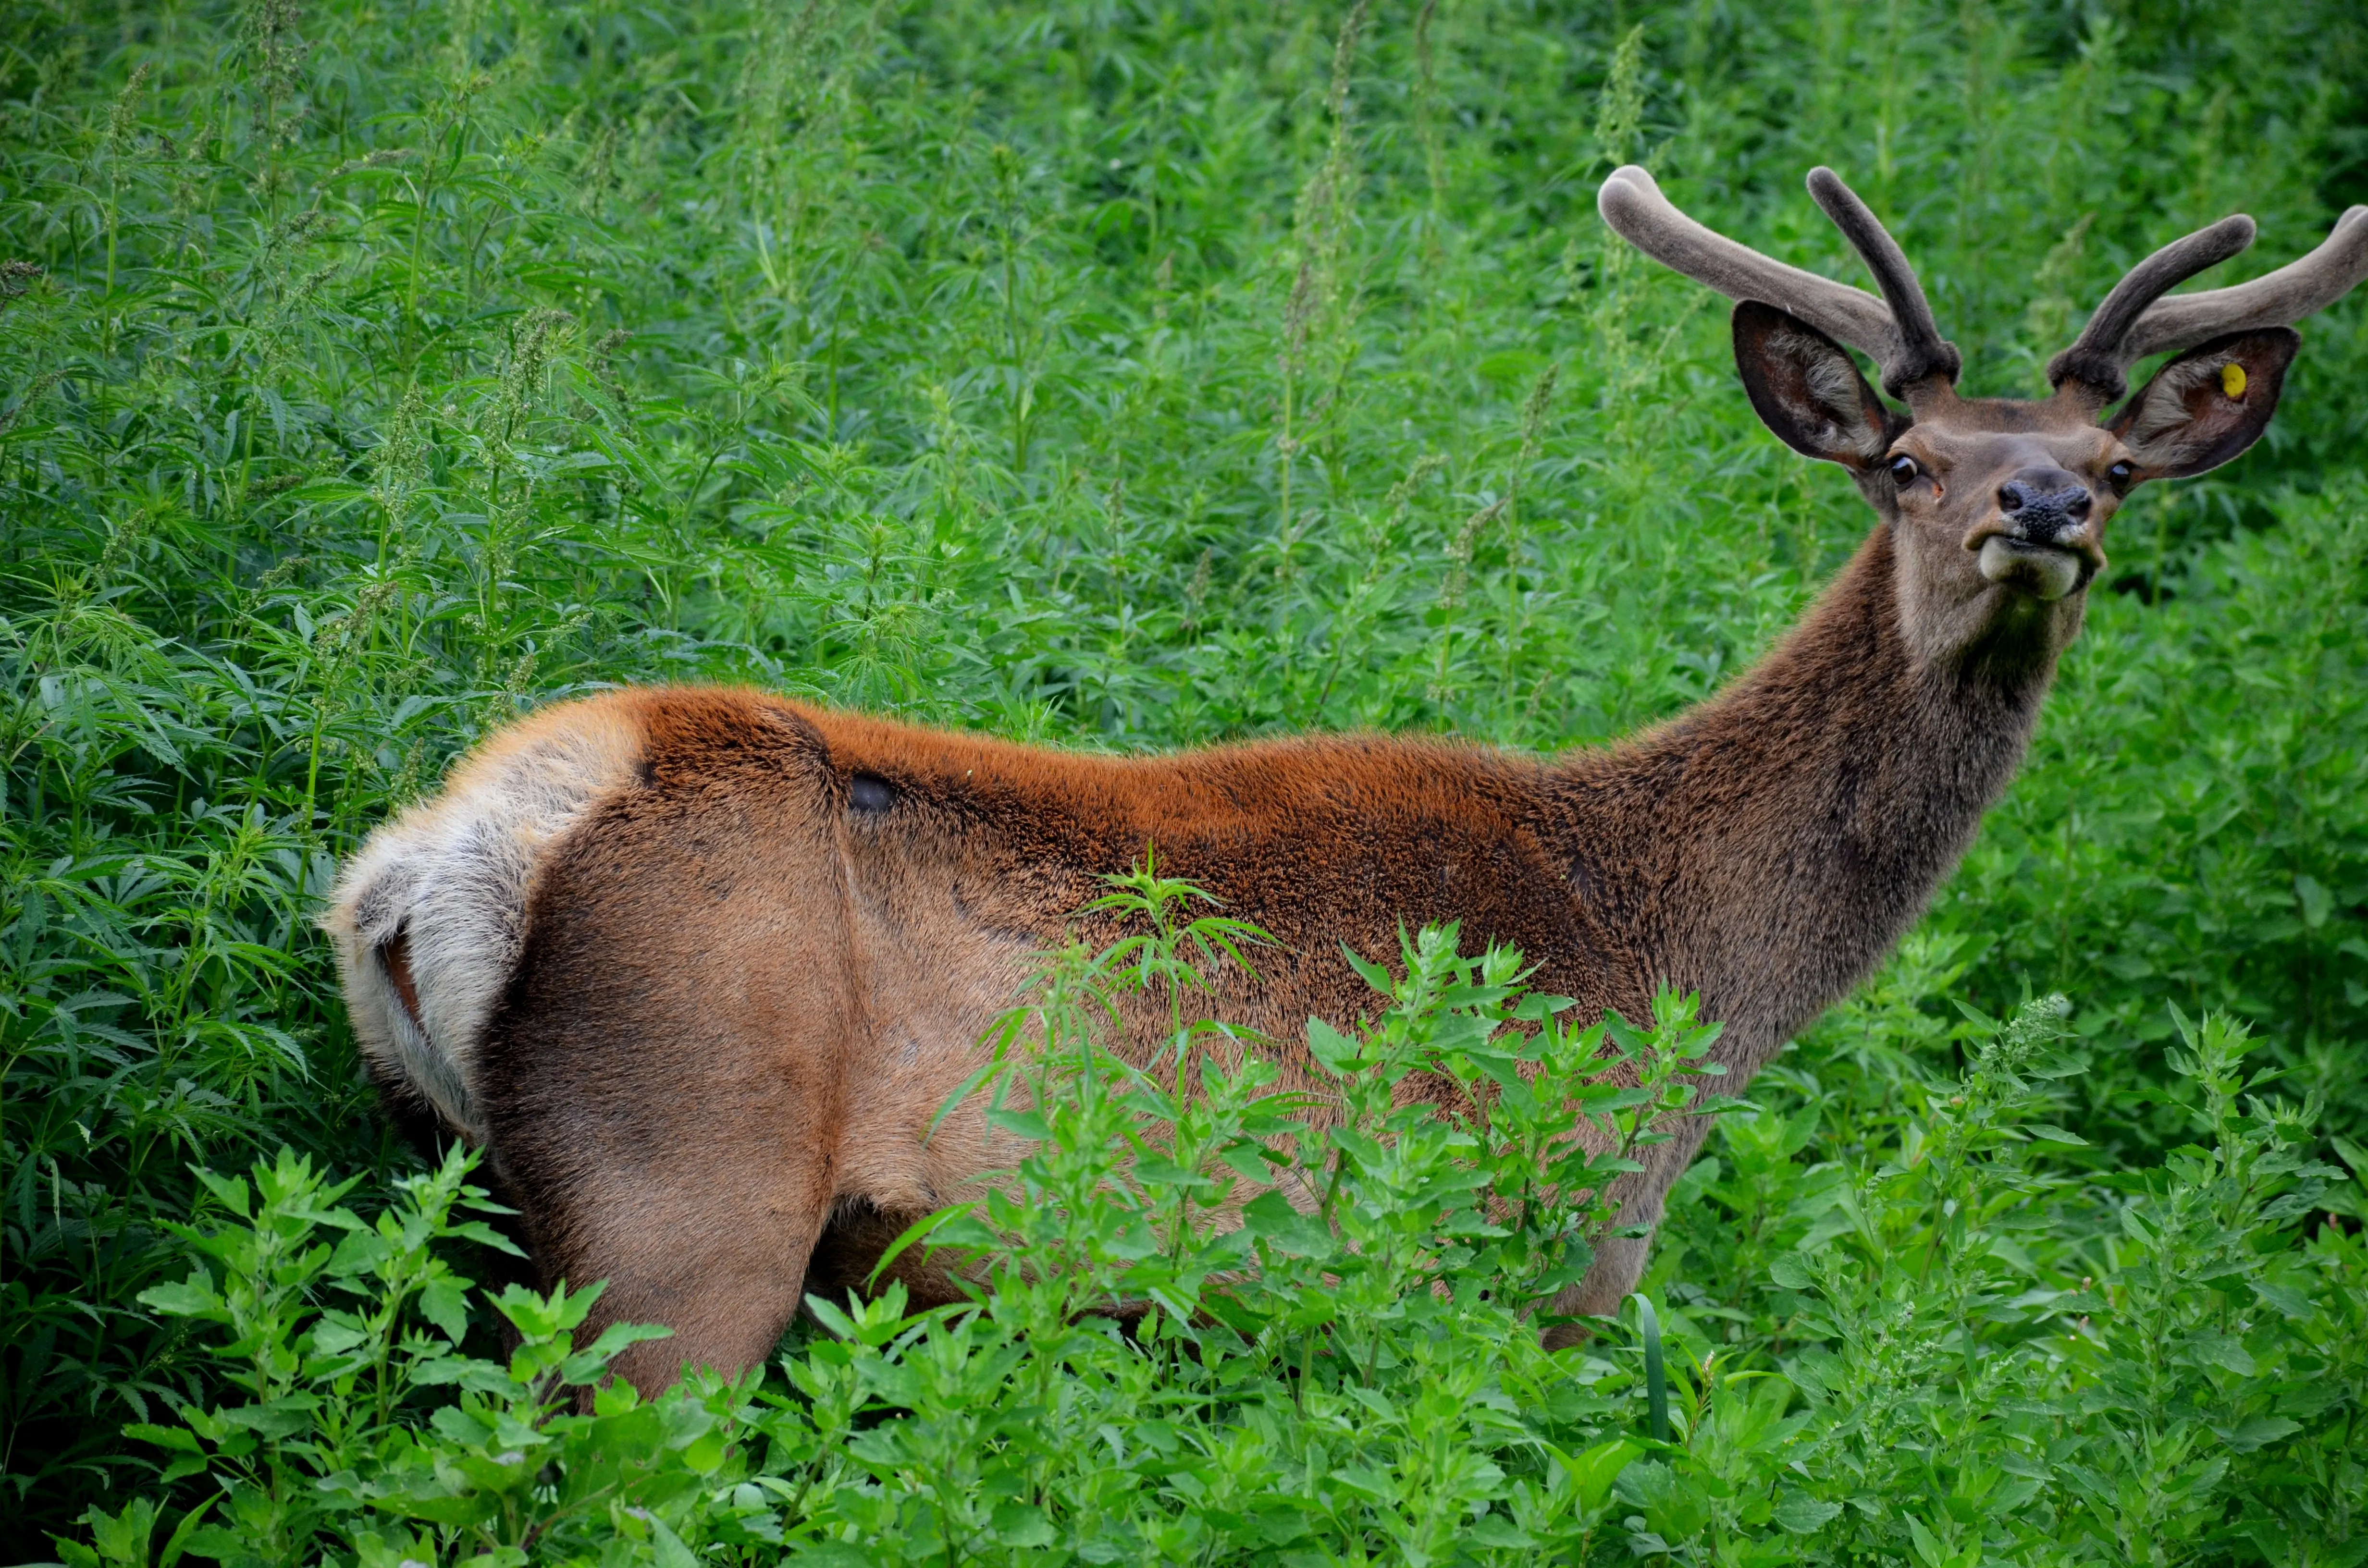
2043,538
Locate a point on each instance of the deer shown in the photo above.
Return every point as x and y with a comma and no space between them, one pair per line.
696,969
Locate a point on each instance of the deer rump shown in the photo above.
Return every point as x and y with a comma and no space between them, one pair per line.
698,968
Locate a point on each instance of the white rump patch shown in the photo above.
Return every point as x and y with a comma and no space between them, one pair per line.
450,879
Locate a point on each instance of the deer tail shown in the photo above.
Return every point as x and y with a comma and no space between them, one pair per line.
429,917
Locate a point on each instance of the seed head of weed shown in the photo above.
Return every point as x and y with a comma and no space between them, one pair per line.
123,114
1620,112
17,277
399,463
532,347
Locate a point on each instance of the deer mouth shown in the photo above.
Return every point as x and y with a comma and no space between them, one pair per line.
2045,572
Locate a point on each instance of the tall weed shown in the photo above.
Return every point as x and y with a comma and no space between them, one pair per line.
370,374
1346,1366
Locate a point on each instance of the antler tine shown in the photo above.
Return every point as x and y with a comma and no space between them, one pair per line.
2300,288
2099,357
1922,352
1633,204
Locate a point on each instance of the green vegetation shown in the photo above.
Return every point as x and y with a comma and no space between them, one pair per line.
1133,376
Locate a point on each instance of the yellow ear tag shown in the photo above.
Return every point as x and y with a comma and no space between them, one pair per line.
2231,379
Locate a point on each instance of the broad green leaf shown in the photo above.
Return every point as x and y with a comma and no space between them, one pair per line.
1804,1515
1336,1051
1271,1219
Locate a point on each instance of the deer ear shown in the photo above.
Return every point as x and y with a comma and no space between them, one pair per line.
2207,405
1807,390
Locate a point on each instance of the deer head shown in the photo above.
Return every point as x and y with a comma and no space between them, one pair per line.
1999,506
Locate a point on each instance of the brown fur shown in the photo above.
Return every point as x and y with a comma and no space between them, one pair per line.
698,968
742,997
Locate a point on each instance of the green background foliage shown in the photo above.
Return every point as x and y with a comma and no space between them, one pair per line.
1114,375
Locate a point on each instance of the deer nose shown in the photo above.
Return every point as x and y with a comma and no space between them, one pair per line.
2040,505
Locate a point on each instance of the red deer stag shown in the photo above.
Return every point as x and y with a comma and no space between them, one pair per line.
696,968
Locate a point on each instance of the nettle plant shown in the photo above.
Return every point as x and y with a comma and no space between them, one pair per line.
1920,1377
1122,1340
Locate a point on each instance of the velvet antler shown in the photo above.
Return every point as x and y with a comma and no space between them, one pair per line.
1897,331
2136,320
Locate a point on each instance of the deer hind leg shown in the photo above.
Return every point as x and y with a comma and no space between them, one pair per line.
661,1081
1619,1264
1619,1260
717,1254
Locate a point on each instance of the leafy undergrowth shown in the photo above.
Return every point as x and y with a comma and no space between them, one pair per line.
1952,1347
1107,375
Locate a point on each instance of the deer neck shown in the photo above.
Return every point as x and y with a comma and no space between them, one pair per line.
1780,838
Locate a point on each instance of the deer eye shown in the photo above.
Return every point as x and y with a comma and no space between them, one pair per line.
2121,475
1904,471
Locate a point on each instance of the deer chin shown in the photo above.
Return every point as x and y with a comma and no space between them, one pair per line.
2042,570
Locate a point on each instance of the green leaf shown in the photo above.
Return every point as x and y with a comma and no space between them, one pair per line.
2053,1134
445,1303
1928,1550
194,1296
178,1439
1657,1388
1336,1051
919,1230
1270,1218
1022,1525
178,1542
1674,1506
338,1332
1028,1124
1371,974
214,1542
1498,1533
1594,1471
2246,1435
431,1507
123,1538
280,1418
1254,1160
705,1453
587,1365
2316,900
1804,1515
670,1550
359,1252
231,1190
477,1231
1578,1258
837,1554
2222,1350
